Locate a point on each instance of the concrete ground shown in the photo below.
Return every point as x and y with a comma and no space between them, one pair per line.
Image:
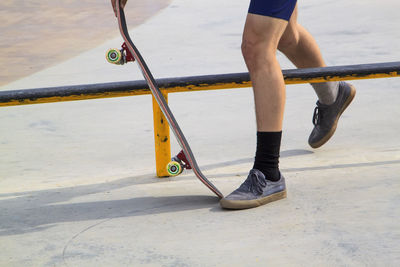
38,34
77,179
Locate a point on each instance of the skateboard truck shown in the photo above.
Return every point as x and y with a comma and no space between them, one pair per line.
119,56
177,164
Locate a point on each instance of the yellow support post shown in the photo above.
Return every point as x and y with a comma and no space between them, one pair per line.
161,138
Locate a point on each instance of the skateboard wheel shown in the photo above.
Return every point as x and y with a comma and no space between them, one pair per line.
114,56
174,168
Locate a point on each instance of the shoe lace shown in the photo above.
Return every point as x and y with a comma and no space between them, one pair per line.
255,183
318,114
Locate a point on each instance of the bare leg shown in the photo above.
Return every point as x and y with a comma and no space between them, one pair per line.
301,48
260,42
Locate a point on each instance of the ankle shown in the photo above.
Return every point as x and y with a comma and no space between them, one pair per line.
271,174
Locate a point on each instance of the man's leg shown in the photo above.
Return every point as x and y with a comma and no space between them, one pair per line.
264,183
260,41
333,97
300,47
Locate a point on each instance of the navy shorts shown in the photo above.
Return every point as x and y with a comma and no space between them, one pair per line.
281,9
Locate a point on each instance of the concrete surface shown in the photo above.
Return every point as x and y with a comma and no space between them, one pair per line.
77,185
38,34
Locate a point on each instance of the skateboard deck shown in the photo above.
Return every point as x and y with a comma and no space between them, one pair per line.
133,54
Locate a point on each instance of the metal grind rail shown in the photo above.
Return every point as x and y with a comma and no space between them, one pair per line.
187,84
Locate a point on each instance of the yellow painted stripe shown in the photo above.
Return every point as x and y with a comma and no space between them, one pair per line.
341,78
187,88
74,97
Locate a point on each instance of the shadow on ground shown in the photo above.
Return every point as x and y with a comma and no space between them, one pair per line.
34,213
26,212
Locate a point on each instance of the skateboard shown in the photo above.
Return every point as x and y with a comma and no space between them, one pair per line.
129,52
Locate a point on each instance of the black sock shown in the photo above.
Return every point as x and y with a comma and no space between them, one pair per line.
267,154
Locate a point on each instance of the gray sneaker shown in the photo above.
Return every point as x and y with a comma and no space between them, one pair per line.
254,192
326,117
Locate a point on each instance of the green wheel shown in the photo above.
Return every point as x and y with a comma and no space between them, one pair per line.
114,56
174,168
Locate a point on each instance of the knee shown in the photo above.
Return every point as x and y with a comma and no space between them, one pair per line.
256,53
288,41
248,51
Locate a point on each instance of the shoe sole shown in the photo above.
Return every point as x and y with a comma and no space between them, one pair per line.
333,129
247,204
